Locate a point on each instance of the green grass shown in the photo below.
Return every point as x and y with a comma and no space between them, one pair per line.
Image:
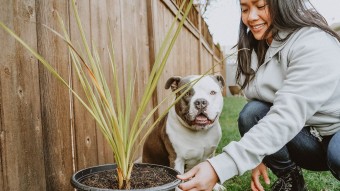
316,181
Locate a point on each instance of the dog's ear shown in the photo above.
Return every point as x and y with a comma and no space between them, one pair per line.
219,79
173,83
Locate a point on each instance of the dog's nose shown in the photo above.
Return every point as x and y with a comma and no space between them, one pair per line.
201,103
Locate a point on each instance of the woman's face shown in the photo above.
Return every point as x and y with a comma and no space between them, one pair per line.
255,15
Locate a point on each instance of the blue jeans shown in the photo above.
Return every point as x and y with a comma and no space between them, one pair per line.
303,150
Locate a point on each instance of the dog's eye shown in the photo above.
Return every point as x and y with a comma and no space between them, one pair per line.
212,93
187,94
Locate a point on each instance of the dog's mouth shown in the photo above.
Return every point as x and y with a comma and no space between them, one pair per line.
202,120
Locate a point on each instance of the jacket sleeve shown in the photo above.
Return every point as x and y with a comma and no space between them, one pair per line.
311,78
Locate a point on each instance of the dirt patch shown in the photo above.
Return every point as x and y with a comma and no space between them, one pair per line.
142,177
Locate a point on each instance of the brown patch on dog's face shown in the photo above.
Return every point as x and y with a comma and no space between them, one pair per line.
183,105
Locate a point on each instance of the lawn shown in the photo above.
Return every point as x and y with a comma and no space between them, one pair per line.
316,181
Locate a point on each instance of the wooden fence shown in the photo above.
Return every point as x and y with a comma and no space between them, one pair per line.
45,134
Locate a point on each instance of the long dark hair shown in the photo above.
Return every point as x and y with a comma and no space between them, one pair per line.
286,15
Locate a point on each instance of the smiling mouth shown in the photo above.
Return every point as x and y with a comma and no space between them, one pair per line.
202,119
257,27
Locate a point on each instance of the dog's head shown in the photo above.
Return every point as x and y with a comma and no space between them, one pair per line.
202,105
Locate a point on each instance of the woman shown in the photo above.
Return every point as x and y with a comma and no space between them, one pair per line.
291,77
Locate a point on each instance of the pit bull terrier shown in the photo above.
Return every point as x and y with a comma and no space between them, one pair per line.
190,132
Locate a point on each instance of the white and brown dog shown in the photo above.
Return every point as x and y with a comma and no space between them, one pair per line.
190,133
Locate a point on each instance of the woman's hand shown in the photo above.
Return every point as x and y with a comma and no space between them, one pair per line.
201,177
260,170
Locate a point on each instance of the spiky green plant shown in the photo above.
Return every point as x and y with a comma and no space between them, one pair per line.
111,112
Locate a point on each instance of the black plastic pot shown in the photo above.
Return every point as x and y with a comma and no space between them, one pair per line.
80,175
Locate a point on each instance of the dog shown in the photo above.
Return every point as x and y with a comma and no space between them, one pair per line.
191,131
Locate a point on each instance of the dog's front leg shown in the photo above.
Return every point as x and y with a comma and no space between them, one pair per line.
179,164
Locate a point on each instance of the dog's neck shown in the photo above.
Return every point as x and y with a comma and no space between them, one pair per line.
173,113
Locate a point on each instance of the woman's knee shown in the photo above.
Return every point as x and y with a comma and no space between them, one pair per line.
251,113
333,155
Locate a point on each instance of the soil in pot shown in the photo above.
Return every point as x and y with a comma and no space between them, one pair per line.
142,177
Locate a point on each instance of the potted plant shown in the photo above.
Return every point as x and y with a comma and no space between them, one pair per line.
112,113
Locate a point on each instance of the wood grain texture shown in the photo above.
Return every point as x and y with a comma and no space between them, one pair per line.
54,96
21,136
45,133
85,133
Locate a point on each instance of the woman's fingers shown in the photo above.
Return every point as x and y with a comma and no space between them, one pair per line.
188,174
255,180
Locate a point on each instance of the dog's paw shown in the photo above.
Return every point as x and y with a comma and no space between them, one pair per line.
219,187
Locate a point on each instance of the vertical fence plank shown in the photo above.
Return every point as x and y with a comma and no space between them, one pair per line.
85,136
136,49
55,101
114,12
151,19
195,59
161,26
21,145
143,61
101,38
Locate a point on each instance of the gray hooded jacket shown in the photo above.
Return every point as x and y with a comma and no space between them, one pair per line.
301,77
